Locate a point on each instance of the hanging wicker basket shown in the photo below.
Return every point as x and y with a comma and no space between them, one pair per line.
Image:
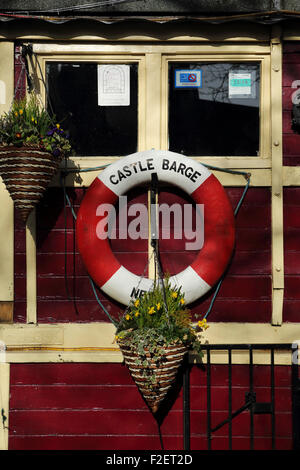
26,172
155,379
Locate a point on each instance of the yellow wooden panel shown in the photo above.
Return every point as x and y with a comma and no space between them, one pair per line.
6,312
94,342
6,204
277,177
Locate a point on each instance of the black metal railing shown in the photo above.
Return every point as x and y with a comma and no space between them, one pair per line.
250,403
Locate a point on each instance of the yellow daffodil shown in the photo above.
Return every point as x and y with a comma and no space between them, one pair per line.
137,303
127,317
58,126
137,314
203,324
16,113
116,337
158,306
151,310
174,295
21,112
182,301
32,119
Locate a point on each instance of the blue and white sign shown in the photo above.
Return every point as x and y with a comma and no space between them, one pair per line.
188,78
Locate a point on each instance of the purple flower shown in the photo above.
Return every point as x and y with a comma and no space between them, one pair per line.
56,152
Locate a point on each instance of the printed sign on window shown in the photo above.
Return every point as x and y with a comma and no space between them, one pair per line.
188,78
113,85
241,85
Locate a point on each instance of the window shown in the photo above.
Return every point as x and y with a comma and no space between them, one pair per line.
207,101
95,129
214,108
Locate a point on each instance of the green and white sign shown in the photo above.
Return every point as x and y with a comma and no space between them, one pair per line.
240,84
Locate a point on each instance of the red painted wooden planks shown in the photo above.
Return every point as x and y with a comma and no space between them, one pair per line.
69,374
19,270
52,265
291,254
250,266
96,406
251,258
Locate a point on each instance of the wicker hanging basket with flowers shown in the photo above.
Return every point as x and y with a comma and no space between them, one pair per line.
31,149
154,336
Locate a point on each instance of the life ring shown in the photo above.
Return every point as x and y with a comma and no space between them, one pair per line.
174,169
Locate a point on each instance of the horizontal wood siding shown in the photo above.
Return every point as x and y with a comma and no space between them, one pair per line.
20,270
97,406
291,201
244,296
63,287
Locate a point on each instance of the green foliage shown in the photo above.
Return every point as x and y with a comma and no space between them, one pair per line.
157,319
27,124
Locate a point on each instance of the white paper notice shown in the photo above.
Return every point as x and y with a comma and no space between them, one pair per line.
113,85
240,84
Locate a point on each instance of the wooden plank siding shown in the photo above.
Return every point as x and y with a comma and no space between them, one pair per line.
97,406
245,294
291,156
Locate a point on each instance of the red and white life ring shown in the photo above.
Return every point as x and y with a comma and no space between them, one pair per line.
174,169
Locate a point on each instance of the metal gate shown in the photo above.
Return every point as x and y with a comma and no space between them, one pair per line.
250,405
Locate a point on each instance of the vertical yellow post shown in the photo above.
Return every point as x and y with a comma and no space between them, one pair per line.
277,177
6,204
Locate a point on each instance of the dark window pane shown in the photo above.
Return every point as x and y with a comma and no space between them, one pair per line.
93,129
221,117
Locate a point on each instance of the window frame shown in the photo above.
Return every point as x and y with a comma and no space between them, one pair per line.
264,157
90,161
153,61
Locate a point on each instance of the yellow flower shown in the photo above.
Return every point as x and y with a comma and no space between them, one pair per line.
137,303
203,324
127,317
32,119
116,337
151,310
21,112
16,113
137,313
182,301
158,306
58,126
174,295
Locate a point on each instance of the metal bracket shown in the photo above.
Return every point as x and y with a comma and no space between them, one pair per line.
250,404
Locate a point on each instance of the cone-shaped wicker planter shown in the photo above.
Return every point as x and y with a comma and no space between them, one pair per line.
26,172
153,377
